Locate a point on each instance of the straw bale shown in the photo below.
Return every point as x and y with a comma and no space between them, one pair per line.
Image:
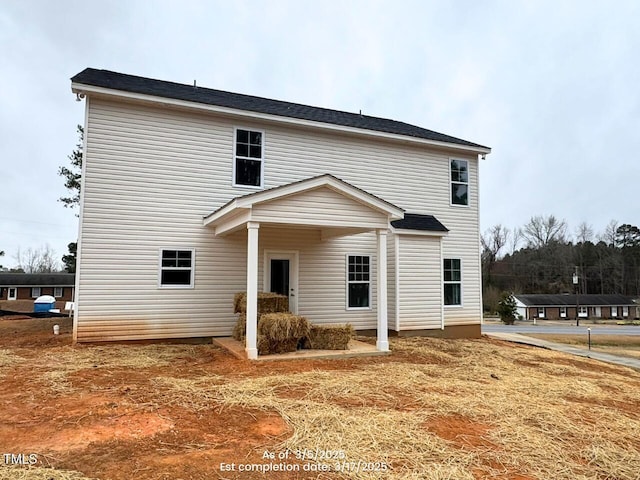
267,302
329,337
268,346
240,329
283,326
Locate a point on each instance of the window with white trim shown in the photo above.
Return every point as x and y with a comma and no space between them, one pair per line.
176,268
459,182
583,311
563,312
58,292
12,293
35,292
614,311
540,312
452,282
358,281
625,311
248,158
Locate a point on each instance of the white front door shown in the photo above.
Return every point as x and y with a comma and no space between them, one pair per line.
12,293
598,312
281,275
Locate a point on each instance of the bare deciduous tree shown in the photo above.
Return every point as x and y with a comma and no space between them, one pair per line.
609,234
541,231
493,241
584,233
516,238
39,260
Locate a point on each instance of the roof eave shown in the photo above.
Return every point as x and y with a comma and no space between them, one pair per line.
81,88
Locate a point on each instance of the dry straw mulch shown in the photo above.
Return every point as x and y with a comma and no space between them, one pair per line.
543,414
16,472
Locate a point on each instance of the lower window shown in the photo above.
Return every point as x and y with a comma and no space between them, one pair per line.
452,282
540,312
358,281
176,268
583,312
35,292
58,292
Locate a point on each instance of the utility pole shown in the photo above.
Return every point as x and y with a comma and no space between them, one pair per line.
577,284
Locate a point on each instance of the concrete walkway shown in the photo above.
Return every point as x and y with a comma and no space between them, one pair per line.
560,347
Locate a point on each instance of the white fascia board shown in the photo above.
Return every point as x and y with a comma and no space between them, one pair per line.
422,233
82,88
300,187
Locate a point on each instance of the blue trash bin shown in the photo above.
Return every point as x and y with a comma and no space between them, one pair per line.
44,303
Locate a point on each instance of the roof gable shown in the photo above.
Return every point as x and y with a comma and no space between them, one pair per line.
190,93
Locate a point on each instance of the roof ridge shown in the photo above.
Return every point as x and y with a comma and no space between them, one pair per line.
241,101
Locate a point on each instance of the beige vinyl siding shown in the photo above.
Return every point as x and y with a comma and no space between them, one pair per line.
322,206
322,291
420,282
153,173
391,281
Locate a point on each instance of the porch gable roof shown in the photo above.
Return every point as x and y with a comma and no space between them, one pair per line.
251,207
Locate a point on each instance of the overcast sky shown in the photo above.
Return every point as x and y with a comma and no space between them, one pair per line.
552,87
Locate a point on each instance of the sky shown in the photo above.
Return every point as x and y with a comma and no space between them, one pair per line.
553,87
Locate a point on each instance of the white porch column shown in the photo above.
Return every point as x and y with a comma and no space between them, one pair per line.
383,337
252,290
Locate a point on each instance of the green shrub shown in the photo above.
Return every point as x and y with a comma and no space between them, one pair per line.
507,309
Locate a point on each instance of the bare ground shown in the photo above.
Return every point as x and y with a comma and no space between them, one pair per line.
435,409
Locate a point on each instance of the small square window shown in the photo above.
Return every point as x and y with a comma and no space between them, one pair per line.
36,292
176,268
58,292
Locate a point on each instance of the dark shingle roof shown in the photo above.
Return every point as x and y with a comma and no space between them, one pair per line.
37,279
414,221
208,96
542,300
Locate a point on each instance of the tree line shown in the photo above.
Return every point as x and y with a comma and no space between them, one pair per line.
543,257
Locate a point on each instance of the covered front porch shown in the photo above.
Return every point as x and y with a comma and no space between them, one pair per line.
313,237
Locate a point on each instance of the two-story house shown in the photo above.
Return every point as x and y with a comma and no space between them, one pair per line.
190,195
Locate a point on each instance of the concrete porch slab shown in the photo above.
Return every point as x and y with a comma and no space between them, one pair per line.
356,349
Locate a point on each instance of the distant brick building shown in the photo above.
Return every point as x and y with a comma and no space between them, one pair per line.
560,307
29,286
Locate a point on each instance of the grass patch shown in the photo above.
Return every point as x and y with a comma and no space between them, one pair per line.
625,345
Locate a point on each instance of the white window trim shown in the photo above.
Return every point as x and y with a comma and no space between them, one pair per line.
614,311
233,156
563,312
461,305
15,293
347,281
584,313
58,292
38,289
625,311
544,312
468,183
193,268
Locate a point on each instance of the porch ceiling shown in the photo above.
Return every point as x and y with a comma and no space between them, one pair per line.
325,202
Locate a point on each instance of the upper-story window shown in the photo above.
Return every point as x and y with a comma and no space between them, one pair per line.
248,161
459,182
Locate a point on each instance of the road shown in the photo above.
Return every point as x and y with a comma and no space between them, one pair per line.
562,329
